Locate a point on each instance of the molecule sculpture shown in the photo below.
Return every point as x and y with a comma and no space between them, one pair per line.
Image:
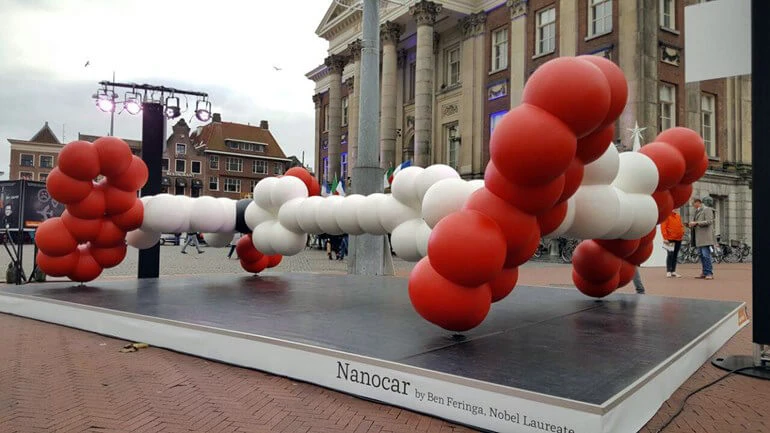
553,172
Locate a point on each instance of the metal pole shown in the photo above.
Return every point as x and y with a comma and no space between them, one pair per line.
112,115
153,136
369,252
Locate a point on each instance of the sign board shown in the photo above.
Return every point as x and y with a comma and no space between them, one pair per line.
39,205
10,202
717,40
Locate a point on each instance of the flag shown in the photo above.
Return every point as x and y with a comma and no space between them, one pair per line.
402,166
333,190
324,188
386,178
339,189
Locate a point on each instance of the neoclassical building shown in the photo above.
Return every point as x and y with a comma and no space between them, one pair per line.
451,69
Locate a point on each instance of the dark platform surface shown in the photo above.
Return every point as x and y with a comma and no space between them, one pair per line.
546,340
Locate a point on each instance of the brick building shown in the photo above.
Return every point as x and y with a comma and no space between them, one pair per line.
451,70
33,159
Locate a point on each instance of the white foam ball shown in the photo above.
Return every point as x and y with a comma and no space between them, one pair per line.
165,213
262,235
146,199
392,213
645,212
287,215
368,217
443,198
625,216
256,215
431,175
141,239
603,170
206,215
569,218
476,184
404,187
596,209
218,240
230,211
346,214
306,216
325,215
287,188
404,240
637,175
263,192
286,242
423,235
184,207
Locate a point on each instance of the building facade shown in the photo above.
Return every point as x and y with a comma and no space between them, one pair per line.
33,159
451,70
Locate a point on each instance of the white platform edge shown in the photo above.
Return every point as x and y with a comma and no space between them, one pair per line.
321,366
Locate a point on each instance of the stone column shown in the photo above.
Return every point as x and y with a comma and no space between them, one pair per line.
424,13
389,36
354,52
335,63
518,42
472,28
318,120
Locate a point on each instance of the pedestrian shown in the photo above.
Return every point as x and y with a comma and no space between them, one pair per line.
638,282
192,239
672,230
233,244
702,227
342,251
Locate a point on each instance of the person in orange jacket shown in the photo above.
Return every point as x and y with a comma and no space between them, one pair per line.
672,230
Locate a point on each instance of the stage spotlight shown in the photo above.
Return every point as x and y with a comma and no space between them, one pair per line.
133,103
203,110
105,101
172,107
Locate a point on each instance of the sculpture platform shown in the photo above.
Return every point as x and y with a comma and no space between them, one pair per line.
545,360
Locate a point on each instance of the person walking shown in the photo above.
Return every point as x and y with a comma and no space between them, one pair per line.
192,239
638,282
702,227
233,244
672,230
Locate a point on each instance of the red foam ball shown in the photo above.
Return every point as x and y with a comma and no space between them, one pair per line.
594,263
531,147
503,284
697,172
595,290
109,235
57,266
108,257
86,269
79,160
246,251
83,230
517,226
665,203
619,247
53,238
626,274
641,254
443,303
687,142
256,266
130,219
306,178
533,200
572,178
133,178
467,248
618,86
114,155
66,189
592,146
524,254
116,200
552,219
274,260
91,207
575,91
681,194
670,163
649,237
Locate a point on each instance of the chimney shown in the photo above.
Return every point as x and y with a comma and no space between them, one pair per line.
217,118
263,124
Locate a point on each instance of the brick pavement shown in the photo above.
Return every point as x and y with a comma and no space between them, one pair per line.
59,379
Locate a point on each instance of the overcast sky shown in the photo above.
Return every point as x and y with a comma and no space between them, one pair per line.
226,48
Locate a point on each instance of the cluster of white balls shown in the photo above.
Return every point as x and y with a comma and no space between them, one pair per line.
614,200
271,234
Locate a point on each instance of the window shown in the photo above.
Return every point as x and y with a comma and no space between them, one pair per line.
235,164
412,81
164,164
179,190
26,175
452,59
252,147
546,31
180,165
345,111
42,177
181,149
668,14
253,185
214,162
493,119
708,123
326,169
599,17
344,165
232,185
277,168
27,160
232,144
667,99
213,183
326,118
46,161
259,167
196,167
453,145
499,50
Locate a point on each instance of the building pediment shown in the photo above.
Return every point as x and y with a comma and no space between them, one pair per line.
337,19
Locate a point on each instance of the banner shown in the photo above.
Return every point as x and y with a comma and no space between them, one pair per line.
10,195
39,205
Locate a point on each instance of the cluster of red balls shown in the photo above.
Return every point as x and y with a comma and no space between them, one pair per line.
538,152
602,266
90,234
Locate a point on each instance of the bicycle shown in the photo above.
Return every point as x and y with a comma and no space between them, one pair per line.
542,249
567,248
